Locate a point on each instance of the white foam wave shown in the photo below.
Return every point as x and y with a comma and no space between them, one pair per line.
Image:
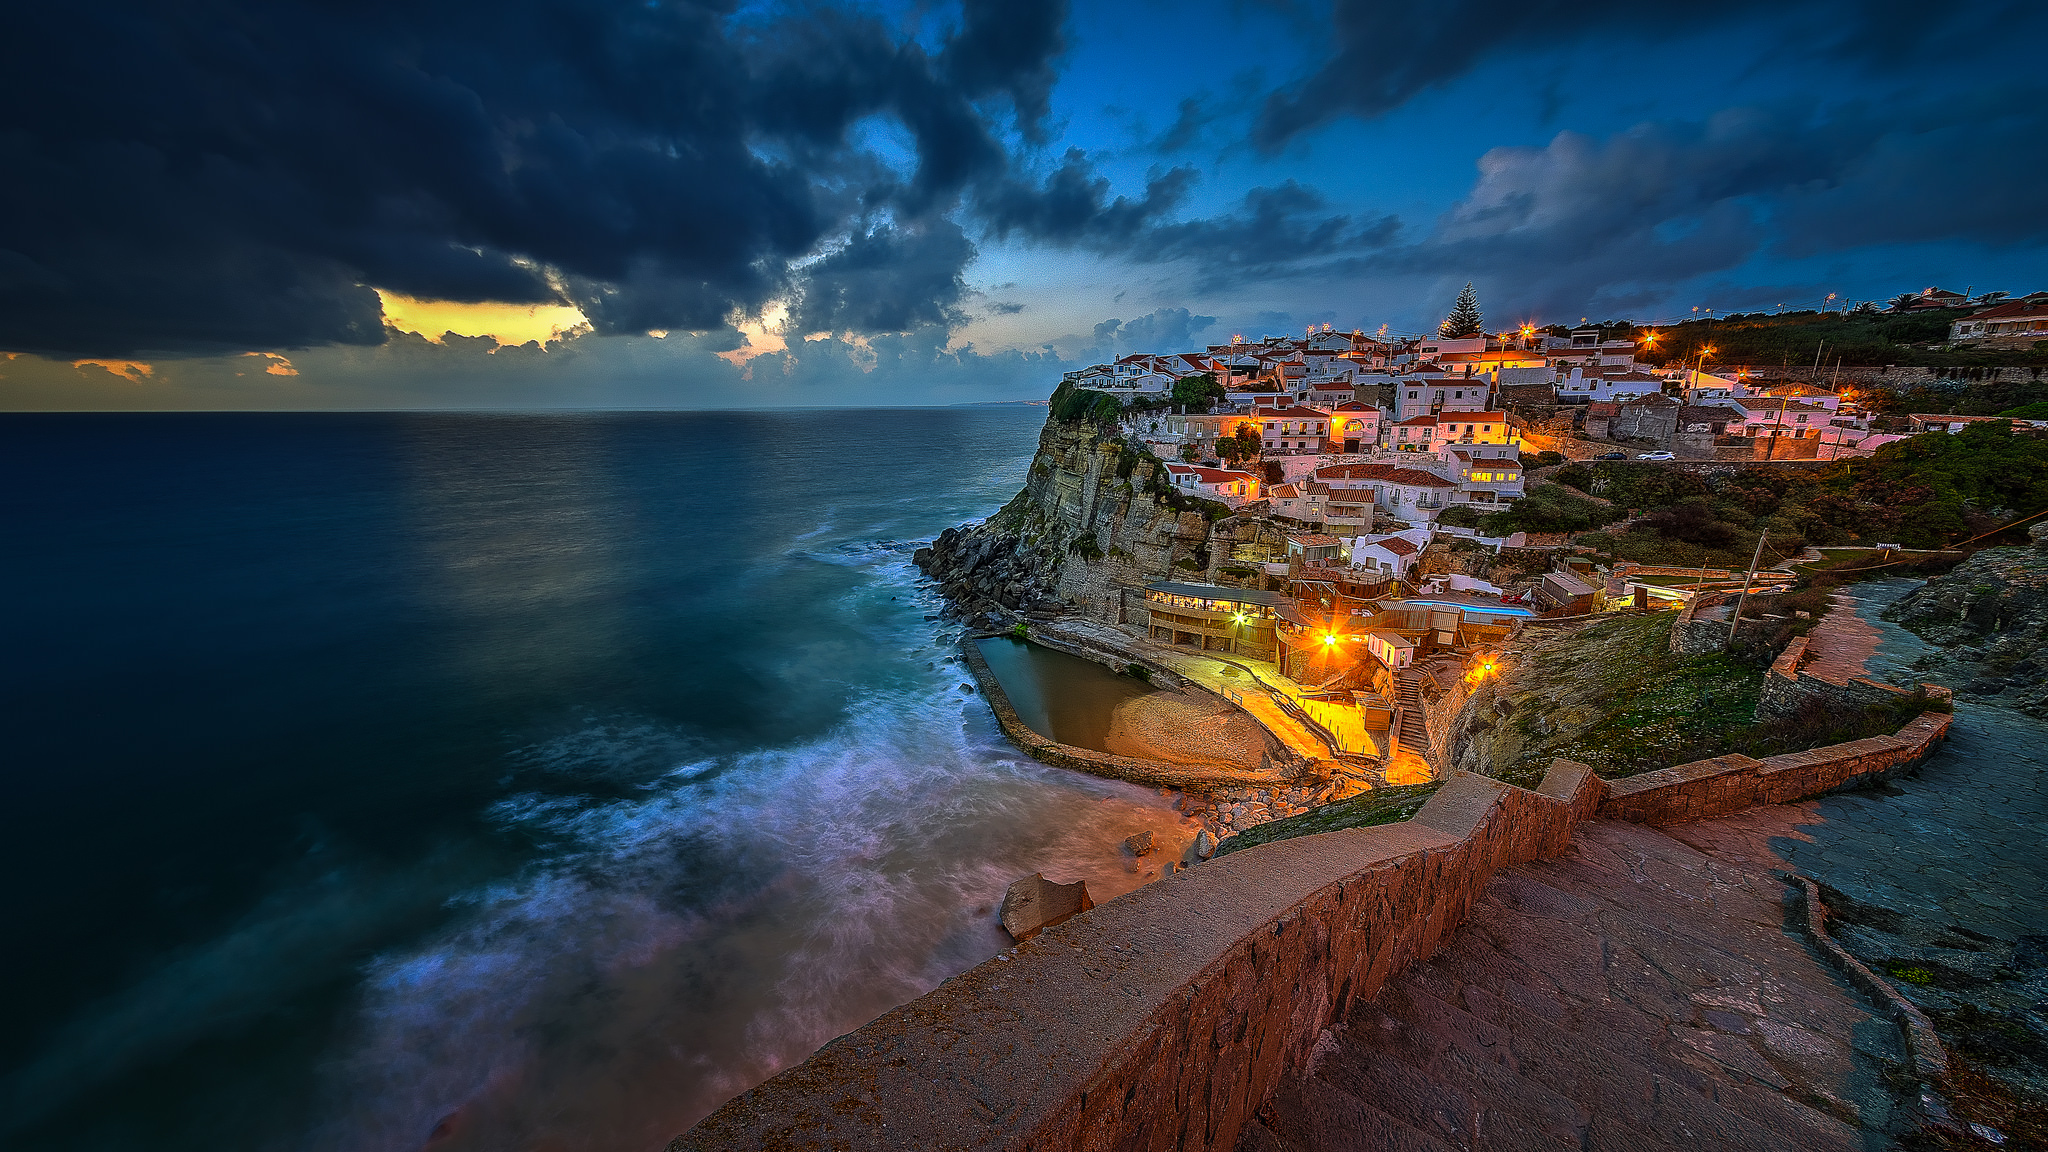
685,943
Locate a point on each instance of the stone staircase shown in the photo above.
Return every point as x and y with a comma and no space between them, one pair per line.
1412,732
1630,995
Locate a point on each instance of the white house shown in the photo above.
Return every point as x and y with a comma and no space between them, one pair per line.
1294,430
1394,555
1424,393
1225,484
1583,387
1355,427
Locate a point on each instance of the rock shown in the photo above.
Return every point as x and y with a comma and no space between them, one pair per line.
2038,534
1034,904
1205,845
1985,686
1139,844
967,687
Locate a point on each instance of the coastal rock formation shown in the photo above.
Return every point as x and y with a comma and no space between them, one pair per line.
1034,904
1991,613
1094,515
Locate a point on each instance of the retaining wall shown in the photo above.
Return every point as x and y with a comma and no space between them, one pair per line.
1787,687
1724,785
1163,1019
1156,773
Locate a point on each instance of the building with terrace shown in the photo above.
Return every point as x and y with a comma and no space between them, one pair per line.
1205,616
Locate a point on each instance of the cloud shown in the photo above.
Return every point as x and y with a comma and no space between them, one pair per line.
1186,128
253,171
1605,224
125,369
1072,206
1278,231
1161,330
888,279
1385,55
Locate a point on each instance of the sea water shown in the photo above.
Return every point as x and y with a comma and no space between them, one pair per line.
489,781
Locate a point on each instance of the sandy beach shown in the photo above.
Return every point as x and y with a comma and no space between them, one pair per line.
1185,729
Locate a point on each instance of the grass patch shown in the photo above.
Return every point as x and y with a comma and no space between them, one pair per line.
1389,805
1628,705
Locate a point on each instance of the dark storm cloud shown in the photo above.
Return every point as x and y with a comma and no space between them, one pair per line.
887,279
225,175
1385,54
1161,330
1073,207
1582,222
1271,236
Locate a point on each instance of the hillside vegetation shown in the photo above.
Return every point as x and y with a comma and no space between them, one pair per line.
1930,491
1792,339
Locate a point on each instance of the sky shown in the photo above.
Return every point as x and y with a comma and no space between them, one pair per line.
280,204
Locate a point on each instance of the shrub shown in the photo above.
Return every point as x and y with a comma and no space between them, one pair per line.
1140,671
1021,630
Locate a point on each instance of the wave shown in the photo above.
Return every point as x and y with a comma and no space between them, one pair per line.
675,948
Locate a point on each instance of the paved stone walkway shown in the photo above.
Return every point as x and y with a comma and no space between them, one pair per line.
1964,838
1634,994
1839,646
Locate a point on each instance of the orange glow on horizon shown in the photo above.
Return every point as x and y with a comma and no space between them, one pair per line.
509,325
279,364
127,369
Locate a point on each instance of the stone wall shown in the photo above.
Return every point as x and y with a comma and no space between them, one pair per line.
1163,1019
1787,687
1690,637
1137,770
1728,784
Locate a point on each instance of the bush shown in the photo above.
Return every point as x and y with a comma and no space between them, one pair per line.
1140,671
1071,405
1021,630
1549,508
1459,516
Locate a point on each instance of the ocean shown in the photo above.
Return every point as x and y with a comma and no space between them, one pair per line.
393,781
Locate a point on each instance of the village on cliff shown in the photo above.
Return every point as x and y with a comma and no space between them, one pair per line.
1325,542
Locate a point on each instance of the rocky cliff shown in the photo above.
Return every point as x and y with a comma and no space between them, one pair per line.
1991,614
1095,514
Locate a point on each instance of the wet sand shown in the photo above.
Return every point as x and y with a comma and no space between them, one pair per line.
1185,729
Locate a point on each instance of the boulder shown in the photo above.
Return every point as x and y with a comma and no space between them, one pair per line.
1205,845
1139,844
1034,904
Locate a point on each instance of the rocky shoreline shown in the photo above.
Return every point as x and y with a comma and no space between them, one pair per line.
1990,617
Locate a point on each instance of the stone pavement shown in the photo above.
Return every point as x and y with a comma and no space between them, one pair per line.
1964,838
1838,647
1633,994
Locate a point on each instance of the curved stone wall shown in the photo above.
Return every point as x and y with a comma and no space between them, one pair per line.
1164,1018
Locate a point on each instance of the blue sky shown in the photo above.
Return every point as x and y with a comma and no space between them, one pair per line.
272,206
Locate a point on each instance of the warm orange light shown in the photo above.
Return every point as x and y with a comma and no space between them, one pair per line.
1329,639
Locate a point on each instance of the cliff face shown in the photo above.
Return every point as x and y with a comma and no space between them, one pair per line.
1094,516
1991,613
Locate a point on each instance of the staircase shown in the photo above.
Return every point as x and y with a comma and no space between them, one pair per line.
1411,732
1633,995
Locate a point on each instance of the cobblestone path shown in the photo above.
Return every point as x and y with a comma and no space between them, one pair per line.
1634,994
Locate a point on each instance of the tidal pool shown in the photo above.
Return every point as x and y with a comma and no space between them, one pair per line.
1070,699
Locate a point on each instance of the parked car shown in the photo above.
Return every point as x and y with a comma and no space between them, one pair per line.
1612,456
1656,456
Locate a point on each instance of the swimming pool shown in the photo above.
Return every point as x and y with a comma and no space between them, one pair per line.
1476,609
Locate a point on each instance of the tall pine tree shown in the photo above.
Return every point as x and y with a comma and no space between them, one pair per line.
1464,318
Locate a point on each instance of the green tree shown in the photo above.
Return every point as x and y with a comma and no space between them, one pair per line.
1242,444
1464,319
1197,391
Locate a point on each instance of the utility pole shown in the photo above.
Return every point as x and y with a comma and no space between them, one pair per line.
1735,621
